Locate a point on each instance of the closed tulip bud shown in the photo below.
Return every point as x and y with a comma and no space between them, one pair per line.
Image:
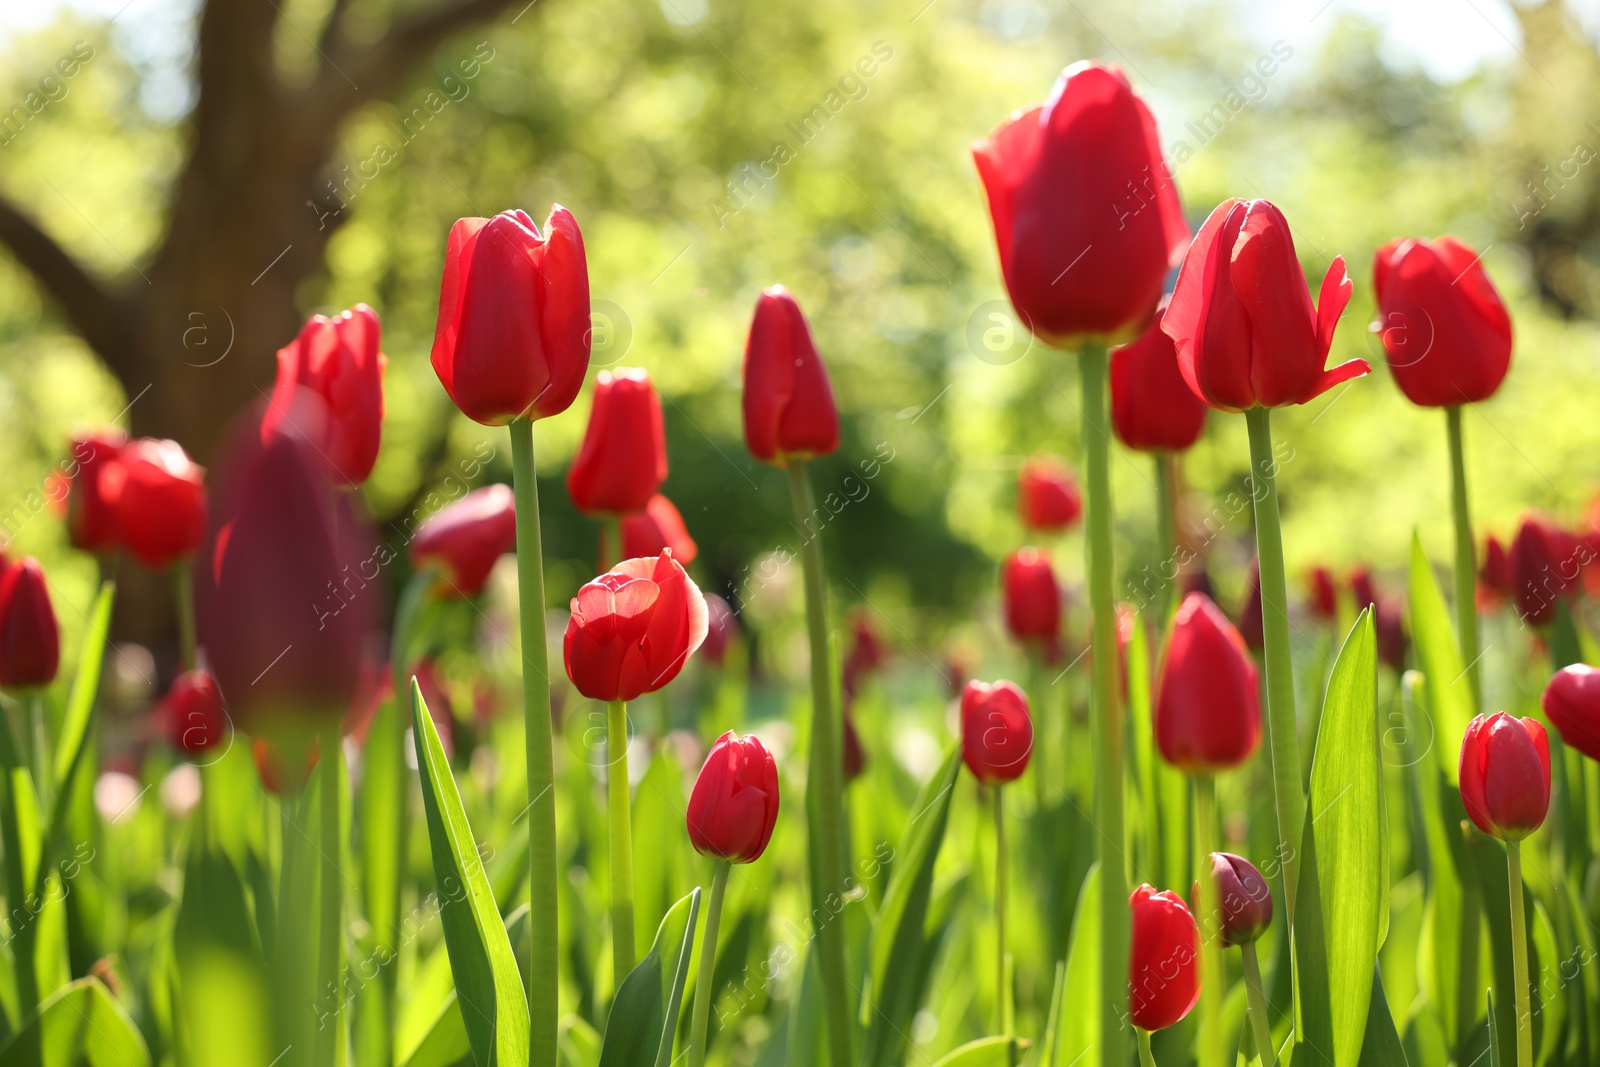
722,626
1445,332
868,653
1494,575
1242,898
1572,704
92,491
996,731
30,639
1164,959
1241,314
1152,407
1048,499
1085,212
1545,565
464,539
161,501
338,360
633,628
734,804
193,713
1250,627
513,335
1505,775
854,757
647,532
1322,594
623,459
789,412
1032,597
1208,713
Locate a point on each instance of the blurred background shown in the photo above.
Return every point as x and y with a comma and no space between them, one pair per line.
181,183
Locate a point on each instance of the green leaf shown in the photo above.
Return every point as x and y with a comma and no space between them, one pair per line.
85,690
487,983
1448,690
1080,1030
579,1044
82,1025
1381,1046
985,1052
446,1043
900,961
1044,1053
644,1014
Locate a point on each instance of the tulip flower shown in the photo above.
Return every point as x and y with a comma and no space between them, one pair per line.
789,414
866,656
1250,627
30,639
512,340
193,714
1243,913
1207,713
1048,499
463,540
1494,577
633,628
722,627
1163,972
338,360
1032,597
1241,315
1572,704
1152,407
281,775
623,458
91,493
161,501
1322,594
647,532
996,731
854,756
1085,212
1545,565
1444,329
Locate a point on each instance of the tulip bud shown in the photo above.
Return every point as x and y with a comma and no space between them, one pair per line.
623,458
1494,576
1152,407
647,532
854,757
1032,597
1048,499
633,628
734,804
867,653
1250,626
281,775
464,539
1322,594
1208,714
1572,704
788,404
193,714
1546,565
91,503
513,334
30,639
161,501
1243,900
722,626
996,731
338,360
1505,775
1164,959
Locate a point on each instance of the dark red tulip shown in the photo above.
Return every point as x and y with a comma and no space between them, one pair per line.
193,713
722,627
1322,594
1250,627
853,756
1385,618
1242,898
1085,212
161,501
1505,775
338,360
1152,407
1241,314
647,532
996,731
513,334
92,491
1494,574
1032,597
1443,327
464,539
623,459
1572,704
281,775
867,655
1545,565
1164,961
30,639
788,404
734,804
1048,499
633,628
1208,712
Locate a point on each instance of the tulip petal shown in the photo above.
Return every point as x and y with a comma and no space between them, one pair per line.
1344,372
1331,302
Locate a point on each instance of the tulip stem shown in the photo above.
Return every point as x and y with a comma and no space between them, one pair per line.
183,594
1466,564
330,900
1146,1057
20,921
1256,1004
1042,722
611,543
622,947
705,986
1166,464
1001,992
1283,736
1107,725
824,800
543,977
1208,907
1519,955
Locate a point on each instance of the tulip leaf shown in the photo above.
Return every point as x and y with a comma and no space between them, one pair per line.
1381,1047
903,947
985,1052
1448,690
82,1025
85,690
644,1014
1080,1026
446,1043
488,986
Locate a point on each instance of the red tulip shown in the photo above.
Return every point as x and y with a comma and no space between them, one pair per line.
1152,407
867,654
1505,775
1241,314
788,404
722,626
1208,712
734,804
1047,495
996,731
338,360
1444,329
193,713
1545,565
91,495
633,628
1572,704
464,539
1243,900
1494,575
1164,961
283,776
1250,626
513,334
623,459
1084,209
30,639
647,532
1385,618
854,757
1323,594
161,501
1032,597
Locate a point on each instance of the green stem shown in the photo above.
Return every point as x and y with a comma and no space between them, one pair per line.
1281,731
543,977
1256,1004
1107,714
38,742
1002,993
19,919
611,543
1466,564
826,807
1519,956
1042,722
1146,1057
622,947
1208,907
1166,464
183,594
330,940
704,986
